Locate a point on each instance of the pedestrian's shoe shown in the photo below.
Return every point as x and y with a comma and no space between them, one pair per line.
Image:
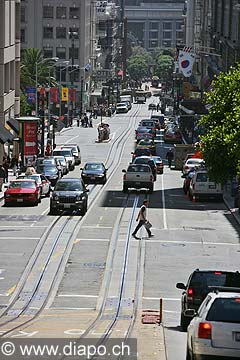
151,235
135,237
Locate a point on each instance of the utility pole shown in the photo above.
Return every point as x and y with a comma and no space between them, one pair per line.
124,51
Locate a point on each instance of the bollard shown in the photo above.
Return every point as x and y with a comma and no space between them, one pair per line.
160,310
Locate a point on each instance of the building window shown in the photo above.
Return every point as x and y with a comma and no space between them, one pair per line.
179,35
167,44
167,34
48,52
61,33
61,12
74,30
154,25
23,14
179,25
48,32
61,52
74,13
23,36
76,53
153,43
48,12
167,26
153,35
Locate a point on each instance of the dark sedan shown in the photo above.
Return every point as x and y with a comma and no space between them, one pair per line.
69,194
50,171
94,173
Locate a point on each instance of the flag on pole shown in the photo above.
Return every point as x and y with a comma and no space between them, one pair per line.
64,94
186,60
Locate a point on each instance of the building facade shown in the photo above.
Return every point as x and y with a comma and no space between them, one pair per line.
153,24
9,67
49,24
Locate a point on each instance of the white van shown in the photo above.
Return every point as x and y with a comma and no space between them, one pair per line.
202,187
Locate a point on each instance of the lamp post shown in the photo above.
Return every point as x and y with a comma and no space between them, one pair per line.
60,86
72,36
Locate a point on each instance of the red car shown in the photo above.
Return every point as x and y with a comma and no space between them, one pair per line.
22,191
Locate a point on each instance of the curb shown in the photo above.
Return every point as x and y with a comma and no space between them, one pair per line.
234,211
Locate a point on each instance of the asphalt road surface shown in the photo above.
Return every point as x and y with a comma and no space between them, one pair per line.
97,259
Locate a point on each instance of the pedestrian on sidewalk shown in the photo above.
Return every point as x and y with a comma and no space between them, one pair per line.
6,167
142,219
169,157
14,165
2,176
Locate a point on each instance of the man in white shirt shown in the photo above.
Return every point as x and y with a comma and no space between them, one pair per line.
141,218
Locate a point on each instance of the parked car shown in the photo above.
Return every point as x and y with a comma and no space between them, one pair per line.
138,176
214,332
147,161
148,144
22,191
68,154
94,172
76,152
152,106
198,286
158,163
201,187
42,182
143,133
192,163
69,194
50,171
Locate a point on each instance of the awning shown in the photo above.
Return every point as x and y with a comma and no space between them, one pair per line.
5,135
14,125
194,106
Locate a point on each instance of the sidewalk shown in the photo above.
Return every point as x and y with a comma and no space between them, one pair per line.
229,201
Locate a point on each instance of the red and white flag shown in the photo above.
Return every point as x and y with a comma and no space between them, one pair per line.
186,60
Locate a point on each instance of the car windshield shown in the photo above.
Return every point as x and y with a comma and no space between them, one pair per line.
48,161
22,184
62,152
225,310
46,169
68,186
61,159
93,167
145,142
144,130
194,161
138,168
157,159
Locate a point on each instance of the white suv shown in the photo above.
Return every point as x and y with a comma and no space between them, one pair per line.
214,331
68,154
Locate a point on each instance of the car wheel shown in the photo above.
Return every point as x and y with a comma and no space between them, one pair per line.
150,190
104,180
189,354
39,200
125,188
53,211
184,322
84,209
49,192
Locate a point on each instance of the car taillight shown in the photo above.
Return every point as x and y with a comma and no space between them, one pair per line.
186,167
190,294
205,330
218,273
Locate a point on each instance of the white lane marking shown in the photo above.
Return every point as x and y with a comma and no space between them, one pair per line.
191,242
171,311
104,240
96,226
2,278
72,308
158,298
68,141
77,295
164,207
13,238
21,226
45,211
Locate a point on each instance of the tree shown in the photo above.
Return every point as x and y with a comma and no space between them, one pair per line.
164,67
25,108
220,143
29,59
137,67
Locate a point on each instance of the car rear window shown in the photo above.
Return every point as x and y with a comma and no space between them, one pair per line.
142,152
139,168
194,161
148,123
205,279
201,178
63,152
225,310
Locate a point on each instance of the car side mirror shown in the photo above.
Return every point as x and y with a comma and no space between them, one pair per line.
181,286
86,190
124,171
106,169
190,313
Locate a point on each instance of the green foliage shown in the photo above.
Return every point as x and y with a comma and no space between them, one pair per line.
29,59
25,108
220,142
137,67
164,67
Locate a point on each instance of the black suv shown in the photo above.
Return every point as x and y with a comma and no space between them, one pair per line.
69,194
199,284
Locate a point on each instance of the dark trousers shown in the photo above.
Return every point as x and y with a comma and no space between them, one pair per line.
139,225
